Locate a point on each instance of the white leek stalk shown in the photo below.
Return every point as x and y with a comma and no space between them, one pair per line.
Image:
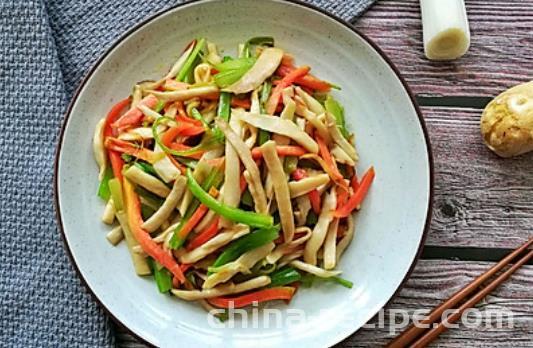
445,26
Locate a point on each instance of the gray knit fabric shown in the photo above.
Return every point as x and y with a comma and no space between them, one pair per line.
45,49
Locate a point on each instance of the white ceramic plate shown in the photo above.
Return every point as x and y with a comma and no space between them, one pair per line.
390,135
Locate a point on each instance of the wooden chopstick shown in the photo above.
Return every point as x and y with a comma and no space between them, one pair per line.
413,332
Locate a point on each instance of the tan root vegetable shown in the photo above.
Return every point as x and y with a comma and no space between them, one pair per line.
330,244
139,261
304,233
345,241
507,121
218,241
149,182
321,228
286,259
115,235
179,63
339,139
200,173
319,272
314,119
108,217
149,114
277,125
185,94
99,148
311,103
341,156
202,73
242,265
281,189
141,133
212,54
168,206
232,174
263,68
164,167
246,157
306,185
136,96
304,205
222,290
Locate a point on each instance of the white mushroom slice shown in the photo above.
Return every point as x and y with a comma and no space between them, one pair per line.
137,96
312,104
286,259
306,185
218,241
339,139
330,244
115,235
149,182
281,188
99,148
319,272
246,157
321,228
164,167
222,290
303,233
313,119
202,73
277,125
212,54
341,156
108,217
345,241
166,209
242,265
185,94
263,68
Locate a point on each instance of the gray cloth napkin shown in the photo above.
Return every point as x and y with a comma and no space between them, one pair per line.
45,49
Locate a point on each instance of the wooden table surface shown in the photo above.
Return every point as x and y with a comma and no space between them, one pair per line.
483,205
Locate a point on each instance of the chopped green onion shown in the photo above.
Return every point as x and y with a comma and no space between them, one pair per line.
344,282
217,133
103,188
307,280
127,158
230,213
188,67
115,188
249,242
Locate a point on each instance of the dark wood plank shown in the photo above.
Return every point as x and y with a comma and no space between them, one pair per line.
481,200
431,283
501,52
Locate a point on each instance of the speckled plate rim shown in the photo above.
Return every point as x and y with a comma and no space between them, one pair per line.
149,19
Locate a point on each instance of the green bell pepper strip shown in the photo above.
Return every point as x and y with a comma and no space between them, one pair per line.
162,276
230,213
290,164
284,276
235,64
213,179
159,106
103,188
336,109
228,77
191,59
249,242
224,106
264,135
115,188
208,142
146,167
217,133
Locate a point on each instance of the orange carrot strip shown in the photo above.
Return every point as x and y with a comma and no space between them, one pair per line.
134,116
308,81
354,202
286,81
196,217
282,150
316,201
333,171
183,147
240,103
117,163
135,221
277,293
204,236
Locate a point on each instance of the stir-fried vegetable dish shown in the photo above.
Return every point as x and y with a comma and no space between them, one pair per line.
232,180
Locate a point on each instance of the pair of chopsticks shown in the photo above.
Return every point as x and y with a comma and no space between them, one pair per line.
424,334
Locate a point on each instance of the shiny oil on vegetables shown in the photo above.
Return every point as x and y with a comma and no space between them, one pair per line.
231,179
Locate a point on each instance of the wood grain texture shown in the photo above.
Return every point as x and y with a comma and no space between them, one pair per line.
500,55
480,200
433,282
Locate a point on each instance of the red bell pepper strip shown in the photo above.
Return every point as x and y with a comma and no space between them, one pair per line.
135,221
286,81
183,128
243,183
204,236
354,202
314,195
183,147
278,293
240,103
134,116
114,157
308,81
282,150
